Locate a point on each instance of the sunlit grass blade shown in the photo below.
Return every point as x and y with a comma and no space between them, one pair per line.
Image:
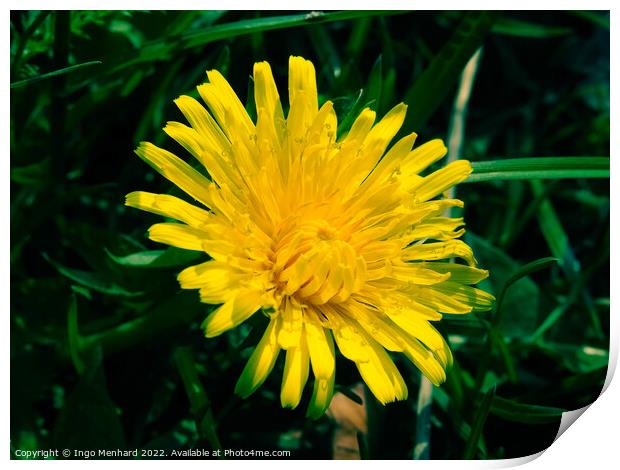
539,168
55,73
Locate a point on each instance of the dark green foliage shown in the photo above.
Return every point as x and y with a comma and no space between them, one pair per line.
107,352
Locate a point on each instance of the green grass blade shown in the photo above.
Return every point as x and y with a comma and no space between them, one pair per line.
375,85
358,37
326,51
164,48
55,73
444,401
73,335
497,340
476,431
434,84
23,40
34,175
512,410
368,96
540,168
526,29
551,320
174,314
526,270
555,235
168,258
559,244
199,401
495,337
362,443
153,111
598,18
92,280
512,233
254,25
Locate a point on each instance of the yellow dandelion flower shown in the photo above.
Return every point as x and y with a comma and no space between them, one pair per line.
343,243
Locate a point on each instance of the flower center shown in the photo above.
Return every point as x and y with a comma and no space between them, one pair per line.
315,264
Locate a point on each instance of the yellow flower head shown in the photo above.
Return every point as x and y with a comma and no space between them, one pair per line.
332,236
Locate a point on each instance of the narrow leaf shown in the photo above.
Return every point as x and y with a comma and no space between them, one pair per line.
526,29
369,96
73,336
199,401
149,327
362,443
372,93
168,258
91,280
555,235
511,410
540,168
476,431
522,272
162,49
55,73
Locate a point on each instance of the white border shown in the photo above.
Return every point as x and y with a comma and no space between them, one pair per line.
592,442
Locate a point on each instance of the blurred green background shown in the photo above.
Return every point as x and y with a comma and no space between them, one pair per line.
105,347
